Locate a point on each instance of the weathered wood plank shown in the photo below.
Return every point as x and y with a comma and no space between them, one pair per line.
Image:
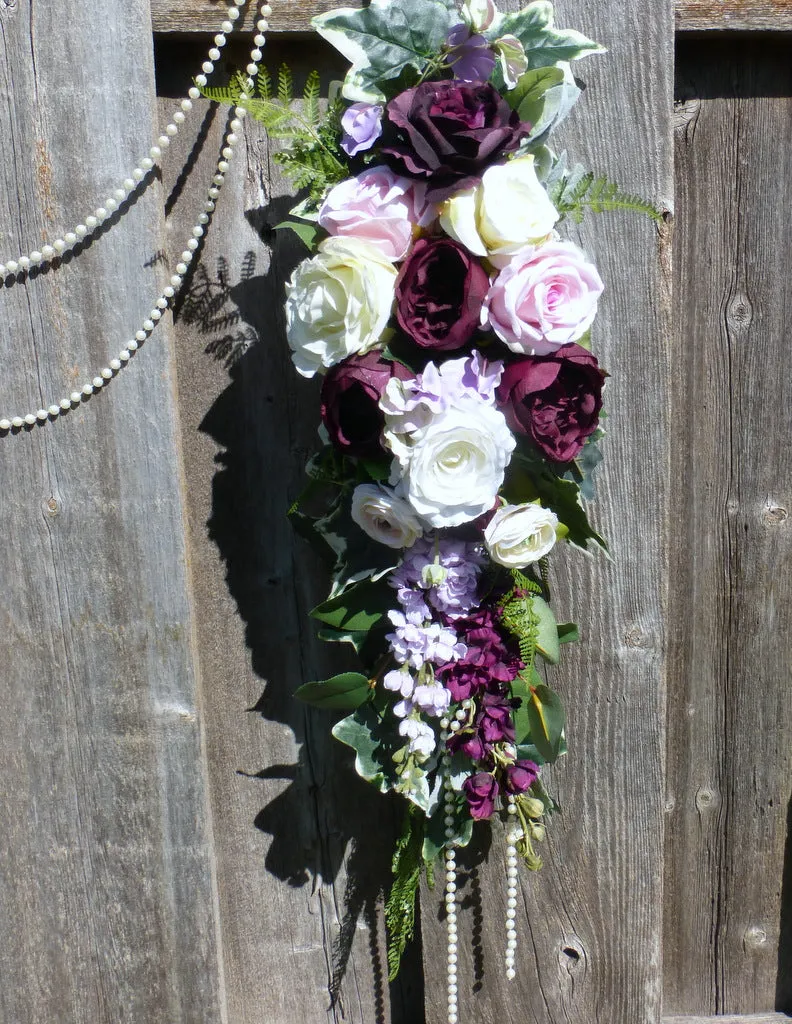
728,901
295,16
107,903
590,935
303,845
762,1018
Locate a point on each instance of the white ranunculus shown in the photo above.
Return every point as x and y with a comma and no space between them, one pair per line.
520,534
384,516
338,303
454,466
507,211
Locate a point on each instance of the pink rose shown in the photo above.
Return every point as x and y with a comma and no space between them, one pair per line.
544,298
377,207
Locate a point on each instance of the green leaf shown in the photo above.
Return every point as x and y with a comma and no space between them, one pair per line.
400,905
436,839
568,633
306,232
527,96
546,716
365,732
343,692
358,608
383,39
520,688
543,43
547,635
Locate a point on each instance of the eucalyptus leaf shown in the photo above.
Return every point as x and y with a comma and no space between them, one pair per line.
547,638
383,39
343,692
546,716
365,732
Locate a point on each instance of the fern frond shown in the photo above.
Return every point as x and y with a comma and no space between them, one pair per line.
285,85
264,84
575,193
400,905
311,111
222,94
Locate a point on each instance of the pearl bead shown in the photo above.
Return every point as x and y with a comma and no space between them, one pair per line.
251,69
81,231
140,335
133,344
200,80
510,974
186,256
233,14
75,397
162,302
443,723
53,410
194,93
207,67
24,262
65,403
124,355
220,39
218,179
171,129
176,281
168,292
155,153
5,424
262,24
181,268
87,389
70,238
120,194
30,419
259,40
100,213
193,244
240,112
227,26
511,902
97,382
455,726
228,153
460,715
451,887
235,125
148,325
163,141
3,270
107,373
111,205
12,266
92,223
214,54
17,422
213,192
178,117
156,314
512,808
256,55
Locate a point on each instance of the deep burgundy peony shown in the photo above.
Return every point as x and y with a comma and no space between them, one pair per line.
439,294
555,399
481,791
447,134
350,398
520,776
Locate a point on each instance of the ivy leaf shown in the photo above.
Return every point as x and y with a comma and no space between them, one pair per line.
364,731
343,692
546,716
543,43
547,637
358,609
527,96
383,39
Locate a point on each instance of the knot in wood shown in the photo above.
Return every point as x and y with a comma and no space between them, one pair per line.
739,312
636,638
705,798
775,514
754,937
572,955
52,506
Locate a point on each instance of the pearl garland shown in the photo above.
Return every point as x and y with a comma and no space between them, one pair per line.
450,875
512,836
51,412
90,224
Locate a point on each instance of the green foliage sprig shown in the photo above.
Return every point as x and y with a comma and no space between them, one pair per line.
576,191
400,905
310,157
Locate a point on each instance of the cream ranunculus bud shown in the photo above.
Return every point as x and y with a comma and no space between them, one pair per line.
520,534
506,212
384,516
478,15
338,303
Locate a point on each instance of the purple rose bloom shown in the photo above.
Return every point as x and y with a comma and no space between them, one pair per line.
362,124
480,791
520,776
555,399
439,293
447,133
470,56
350,409
494,720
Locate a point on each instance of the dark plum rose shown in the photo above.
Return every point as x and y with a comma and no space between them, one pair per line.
555,399
447,133
350,402
481,791
520,776
439,293
494,720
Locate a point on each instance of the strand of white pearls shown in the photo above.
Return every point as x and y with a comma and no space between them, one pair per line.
512,837
75,398
90,224
450,876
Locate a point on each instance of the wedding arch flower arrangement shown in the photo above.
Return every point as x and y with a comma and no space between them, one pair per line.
461,408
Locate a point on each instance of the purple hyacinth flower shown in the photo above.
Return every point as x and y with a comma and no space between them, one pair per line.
481,791
470,56
362,124
520,776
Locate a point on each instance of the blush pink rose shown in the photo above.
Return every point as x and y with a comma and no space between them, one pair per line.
378,207
544,298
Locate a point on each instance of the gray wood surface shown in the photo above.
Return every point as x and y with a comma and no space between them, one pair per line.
294,16
590,935
728,900
107,900
761,1018
303,846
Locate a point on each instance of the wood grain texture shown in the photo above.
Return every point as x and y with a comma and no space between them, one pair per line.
295,16
590,922
107,902
728,903
761,1018
303,845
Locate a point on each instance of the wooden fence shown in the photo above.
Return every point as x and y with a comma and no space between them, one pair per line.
181,841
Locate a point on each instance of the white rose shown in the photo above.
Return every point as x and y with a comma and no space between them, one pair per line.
453,469
338,303
507,211
384,516
520,534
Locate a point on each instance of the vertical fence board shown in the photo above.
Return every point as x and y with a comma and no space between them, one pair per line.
303,845
590,938
728,912
107,904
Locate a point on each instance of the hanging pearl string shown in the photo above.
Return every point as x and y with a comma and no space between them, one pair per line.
87,227
512,836
450,874
177,280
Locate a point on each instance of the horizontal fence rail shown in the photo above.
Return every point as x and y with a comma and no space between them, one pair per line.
295,16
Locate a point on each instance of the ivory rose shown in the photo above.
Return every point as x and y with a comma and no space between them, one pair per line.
508,210
545,298
338,303
384,516
377,207
520,534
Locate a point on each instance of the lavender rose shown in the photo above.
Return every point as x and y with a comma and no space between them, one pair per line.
447,133
362,124
350,402
554,399
439,293
544,298
481,791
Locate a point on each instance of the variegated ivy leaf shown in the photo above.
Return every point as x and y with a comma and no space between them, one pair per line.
543,43
383,39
